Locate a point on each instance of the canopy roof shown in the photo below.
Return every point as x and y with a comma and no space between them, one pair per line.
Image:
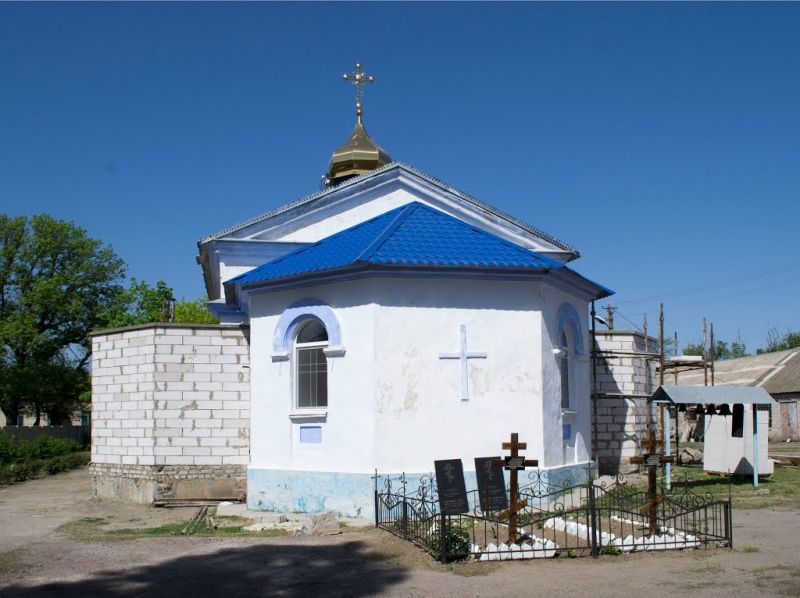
717,395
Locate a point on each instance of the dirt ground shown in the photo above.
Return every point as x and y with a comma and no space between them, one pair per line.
39,558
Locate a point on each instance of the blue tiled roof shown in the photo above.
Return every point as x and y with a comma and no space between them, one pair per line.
412,235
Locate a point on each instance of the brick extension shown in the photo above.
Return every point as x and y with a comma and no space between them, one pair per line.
170,412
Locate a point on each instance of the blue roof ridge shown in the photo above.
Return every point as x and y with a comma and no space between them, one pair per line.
523,250
404,212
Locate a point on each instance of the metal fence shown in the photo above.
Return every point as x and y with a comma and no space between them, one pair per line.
558,519
77,433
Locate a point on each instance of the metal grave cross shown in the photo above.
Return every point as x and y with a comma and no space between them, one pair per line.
513,463
463,355
652,460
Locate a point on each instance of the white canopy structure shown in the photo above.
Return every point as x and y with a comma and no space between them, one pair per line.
740,447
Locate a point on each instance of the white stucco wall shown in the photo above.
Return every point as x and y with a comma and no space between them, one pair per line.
394,404
722,453
579,414
346,429
419,416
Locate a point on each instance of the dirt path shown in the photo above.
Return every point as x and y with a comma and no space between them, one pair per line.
368,563
31,512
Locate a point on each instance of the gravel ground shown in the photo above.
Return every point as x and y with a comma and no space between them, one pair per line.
37,560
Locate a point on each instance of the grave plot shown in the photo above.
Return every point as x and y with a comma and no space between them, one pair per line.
542,519
626,534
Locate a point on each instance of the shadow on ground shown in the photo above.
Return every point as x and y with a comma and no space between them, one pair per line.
346,569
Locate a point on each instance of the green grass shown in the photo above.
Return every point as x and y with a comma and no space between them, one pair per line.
346,528
32,469
780,488
91,529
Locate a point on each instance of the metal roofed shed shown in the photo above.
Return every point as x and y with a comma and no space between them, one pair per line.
735,436
693,395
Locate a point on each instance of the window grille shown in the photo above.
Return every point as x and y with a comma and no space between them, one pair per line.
311,366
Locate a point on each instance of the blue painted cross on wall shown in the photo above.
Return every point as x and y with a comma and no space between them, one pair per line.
463,355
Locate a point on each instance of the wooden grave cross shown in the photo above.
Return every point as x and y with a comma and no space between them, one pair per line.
513,463
652,460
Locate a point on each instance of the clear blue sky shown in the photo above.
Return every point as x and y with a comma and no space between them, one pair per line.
662,140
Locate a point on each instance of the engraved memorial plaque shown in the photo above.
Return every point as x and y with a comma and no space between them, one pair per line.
491,484
451,487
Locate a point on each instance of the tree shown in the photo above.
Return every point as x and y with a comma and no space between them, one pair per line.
194,312
56,285
721,350
780,342
139,304
142,304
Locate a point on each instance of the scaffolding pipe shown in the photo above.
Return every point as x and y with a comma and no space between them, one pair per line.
755,445
594,394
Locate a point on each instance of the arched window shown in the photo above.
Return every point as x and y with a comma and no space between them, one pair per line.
311,365
564,363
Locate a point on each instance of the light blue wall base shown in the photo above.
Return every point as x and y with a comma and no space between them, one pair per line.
352,494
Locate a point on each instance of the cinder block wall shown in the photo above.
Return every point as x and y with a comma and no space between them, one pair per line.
622,383
170,412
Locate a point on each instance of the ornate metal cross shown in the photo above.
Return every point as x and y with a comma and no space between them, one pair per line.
514,463
359,79
652,460
463,355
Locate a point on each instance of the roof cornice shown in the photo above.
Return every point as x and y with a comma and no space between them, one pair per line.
402,167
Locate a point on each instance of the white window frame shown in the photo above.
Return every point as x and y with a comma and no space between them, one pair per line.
568,353
297,410
565,360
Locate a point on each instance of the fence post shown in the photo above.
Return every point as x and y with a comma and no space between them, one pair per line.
729,512
405,517
443,539
375,486
593,519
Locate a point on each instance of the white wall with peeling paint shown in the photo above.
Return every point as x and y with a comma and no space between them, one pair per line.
393,404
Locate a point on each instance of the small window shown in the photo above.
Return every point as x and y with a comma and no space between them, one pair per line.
312,332
737,421
311,365
564,365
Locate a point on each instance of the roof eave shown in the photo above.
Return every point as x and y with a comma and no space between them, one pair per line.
572,252
565,278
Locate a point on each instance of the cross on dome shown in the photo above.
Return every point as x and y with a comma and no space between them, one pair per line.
358,79
359,154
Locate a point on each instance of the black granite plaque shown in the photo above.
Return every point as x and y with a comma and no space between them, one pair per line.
515,463
652,460
491,484
451,487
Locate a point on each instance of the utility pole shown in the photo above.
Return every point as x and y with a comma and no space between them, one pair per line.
705,352
610,309
713,353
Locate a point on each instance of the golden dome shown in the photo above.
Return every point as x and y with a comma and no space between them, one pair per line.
357,155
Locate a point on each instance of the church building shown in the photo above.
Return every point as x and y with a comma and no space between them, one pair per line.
390,320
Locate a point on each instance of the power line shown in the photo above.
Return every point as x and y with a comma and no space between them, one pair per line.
624,317
742,278
765,287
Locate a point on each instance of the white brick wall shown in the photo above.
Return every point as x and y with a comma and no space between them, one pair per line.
171,395
623,382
